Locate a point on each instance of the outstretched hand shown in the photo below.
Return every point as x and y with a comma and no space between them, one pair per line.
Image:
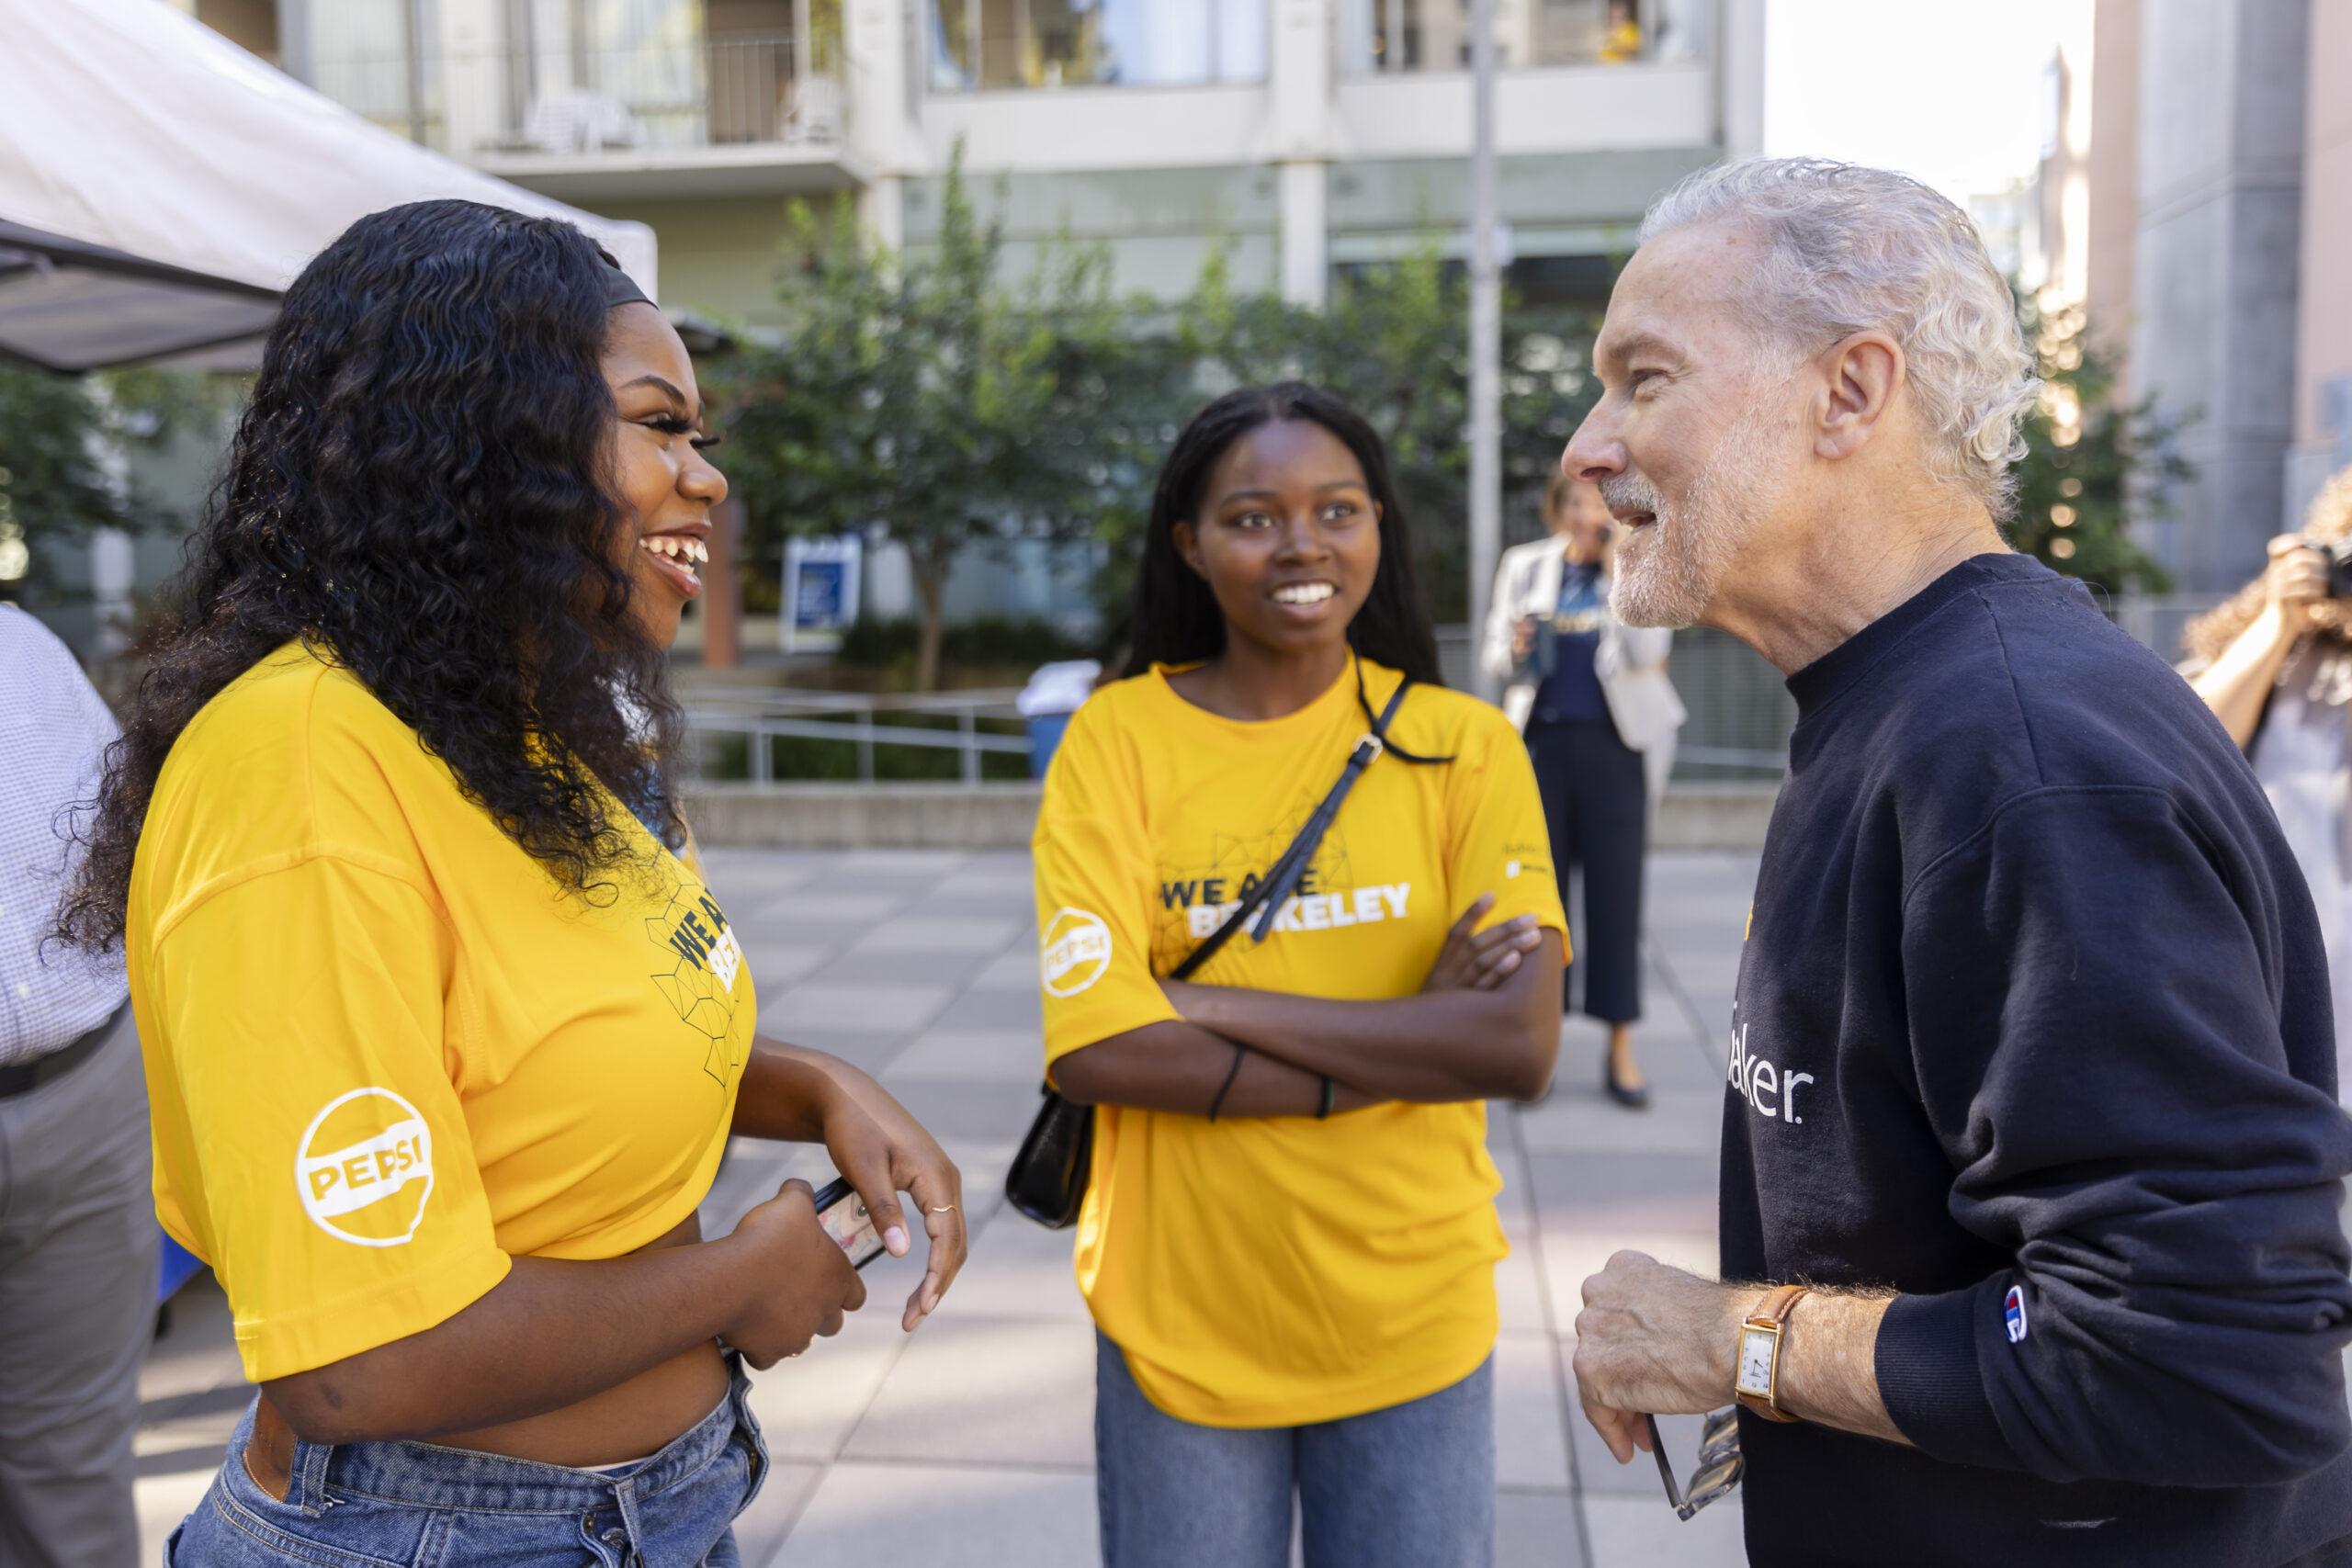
1473,960
882,1151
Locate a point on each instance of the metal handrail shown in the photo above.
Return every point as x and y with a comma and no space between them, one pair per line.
780,712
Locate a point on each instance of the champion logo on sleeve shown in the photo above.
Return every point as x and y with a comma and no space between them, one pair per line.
2013,1314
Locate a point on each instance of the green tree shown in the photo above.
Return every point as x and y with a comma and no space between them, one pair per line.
1394,341
53,486
57,482
915,394
2089,461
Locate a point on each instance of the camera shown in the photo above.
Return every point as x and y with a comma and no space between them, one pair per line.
2340,568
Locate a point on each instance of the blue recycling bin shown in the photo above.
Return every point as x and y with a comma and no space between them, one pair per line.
1045,736
175,1267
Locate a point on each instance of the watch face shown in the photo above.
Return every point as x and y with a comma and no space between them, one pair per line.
1756,1361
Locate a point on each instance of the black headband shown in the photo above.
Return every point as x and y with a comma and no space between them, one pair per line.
620,289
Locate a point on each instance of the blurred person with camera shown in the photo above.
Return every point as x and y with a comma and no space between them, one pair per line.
2275,665
445,1032
2031,1167
77,1231
1590,698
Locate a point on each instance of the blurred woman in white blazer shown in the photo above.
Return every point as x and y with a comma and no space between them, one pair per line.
1592,699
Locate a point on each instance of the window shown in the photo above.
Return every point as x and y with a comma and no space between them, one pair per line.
996,44
1381,37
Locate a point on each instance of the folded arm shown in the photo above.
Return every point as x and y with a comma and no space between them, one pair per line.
1180,1063
1432,1047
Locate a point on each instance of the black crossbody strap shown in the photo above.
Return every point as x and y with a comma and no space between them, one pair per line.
1258,910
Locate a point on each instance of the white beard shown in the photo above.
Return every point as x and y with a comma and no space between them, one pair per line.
1667,573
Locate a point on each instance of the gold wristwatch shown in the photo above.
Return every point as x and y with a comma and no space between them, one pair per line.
1757,1382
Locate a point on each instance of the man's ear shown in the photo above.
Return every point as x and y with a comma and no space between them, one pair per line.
1187,540
1861,376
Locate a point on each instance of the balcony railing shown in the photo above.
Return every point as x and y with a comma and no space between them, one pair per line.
988,45
716,92
1388,36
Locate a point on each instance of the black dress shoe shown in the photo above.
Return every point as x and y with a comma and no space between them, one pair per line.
1630,1098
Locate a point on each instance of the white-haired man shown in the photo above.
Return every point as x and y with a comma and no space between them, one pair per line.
2032,1160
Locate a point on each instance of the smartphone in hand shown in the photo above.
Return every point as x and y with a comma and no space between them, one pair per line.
843,1214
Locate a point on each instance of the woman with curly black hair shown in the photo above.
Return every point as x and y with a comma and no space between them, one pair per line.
444,1038
1288,1003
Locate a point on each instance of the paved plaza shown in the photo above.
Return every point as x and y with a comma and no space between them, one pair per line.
969,1443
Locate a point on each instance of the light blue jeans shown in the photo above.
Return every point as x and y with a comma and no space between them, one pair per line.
1410,1486
370,1505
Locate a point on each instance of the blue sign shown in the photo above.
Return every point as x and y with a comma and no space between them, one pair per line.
821,590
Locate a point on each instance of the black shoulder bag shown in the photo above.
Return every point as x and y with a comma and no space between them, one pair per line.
1048,1180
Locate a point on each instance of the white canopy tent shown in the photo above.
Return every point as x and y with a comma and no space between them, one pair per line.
159,186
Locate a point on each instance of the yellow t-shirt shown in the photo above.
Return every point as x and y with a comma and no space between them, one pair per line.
1279,1271
385,1050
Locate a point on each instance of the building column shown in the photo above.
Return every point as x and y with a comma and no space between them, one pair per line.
1300,141
1305,240
881,212
2221,86
883,134
1739,78
471,54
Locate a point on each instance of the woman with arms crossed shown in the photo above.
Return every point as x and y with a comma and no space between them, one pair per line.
1289,1235
444,1040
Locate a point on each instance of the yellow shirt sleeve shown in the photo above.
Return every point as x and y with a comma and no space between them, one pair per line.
1094,887
1497,841
341,1205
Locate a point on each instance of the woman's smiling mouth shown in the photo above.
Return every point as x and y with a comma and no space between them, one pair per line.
674,556
1304,593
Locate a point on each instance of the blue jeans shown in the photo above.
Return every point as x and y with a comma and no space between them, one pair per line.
368,1505
1410,1486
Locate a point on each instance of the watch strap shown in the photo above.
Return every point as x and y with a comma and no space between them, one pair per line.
1771,1313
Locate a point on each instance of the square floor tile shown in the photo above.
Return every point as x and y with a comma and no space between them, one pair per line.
810,1406
163,1501
1014,1055
868,967
986,1390
1578,1119
778,966
1015,969
1000,880
760,1528
867,1006
1570,1257
916,933
891,1515
1629,1532
1600,1474
991,1007
817,905
1531,1441
992,1109
1536,1529
1624,1191
1018,1268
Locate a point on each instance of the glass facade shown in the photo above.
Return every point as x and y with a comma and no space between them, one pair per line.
1381,37
988,45
572,77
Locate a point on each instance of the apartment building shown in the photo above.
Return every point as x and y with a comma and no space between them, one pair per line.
1298,136
1302,135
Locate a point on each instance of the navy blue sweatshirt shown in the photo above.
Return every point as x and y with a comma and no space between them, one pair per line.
2033,1000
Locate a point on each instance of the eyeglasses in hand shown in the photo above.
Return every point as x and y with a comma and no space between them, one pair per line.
1721,1464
